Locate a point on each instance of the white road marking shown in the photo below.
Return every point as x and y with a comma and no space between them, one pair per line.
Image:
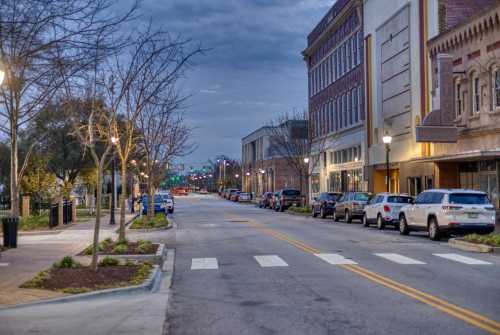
268,261
400,259
4,264
204,264
462,259
335,259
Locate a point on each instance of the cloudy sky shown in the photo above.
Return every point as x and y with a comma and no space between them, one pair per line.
253,70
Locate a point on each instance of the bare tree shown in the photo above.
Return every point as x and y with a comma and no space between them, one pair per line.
154,63
37,39
164,136
290,137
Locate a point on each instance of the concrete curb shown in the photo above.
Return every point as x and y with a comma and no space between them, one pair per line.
474,247
148,284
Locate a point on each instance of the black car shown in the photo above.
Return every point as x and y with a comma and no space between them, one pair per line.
266,200
287,198
324,205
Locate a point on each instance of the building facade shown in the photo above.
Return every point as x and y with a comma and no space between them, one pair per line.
334,58
264,168
399,84
465,64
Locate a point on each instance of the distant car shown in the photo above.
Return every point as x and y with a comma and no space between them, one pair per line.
287,198
383,209
324,204
162,203
448,211
235,196
350,206
231,192
245,197
180,191
266,200
203,191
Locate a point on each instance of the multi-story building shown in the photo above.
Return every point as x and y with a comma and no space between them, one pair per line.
464,126
264,167
334,58
398,86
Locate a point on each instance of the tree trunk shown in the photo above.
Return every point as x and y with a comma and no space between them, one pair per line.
97,226
151,201
123,199
14,182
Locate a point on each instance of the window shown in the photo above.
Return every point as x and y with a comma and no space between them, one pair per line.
340,111
344,112
435,197
475,94
355,50
349,107
360,106
496,88
458,100
335,66
355,105
331,115
349,54
344,58
360,46
468,198
423,198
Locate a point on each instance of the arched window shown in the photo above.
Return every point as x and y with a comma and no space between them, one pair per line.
458,99
476,95
495,85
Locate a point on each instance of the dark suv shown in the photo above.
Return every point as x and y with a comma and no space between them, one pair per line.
266,199
324,205
287,198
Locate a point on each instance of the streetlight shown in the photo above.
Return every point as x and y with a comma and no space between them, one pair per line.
2,76
114,141
236,176
387,139
247,174
306,160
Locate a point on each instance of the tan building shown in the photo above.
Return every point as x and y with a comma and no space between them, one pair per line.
465,63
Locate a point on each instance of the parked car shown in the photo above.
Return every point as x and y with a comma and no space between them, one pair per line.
274,200
245,197
383,209
203,191
324,204
162,203
350,206
266,200
231,192
448,211
286,198
234,196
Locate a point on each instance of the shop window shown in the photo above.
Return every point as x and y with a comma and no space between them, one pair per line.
414,186
429,182
315,184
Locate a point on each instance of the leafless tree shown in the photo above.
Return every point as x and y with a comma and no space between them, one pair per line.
154,62
164,136
290,137
39,39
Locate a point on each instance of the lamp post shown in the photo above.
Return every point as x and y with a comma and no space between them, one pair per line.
114,140
387,139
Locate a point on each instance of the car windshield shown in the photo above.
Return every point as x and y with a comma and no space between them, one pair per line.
332,196
399,200
468,199
291,193
361,197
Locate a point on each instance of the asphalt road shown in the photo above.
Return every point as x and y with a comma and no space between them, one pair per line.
320,277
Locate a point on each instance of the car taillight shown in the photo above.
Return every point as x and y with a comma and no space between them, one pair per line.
452,208
355,203
387,208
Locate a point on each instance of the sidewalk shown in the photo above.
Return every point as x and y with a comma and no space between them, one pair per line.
38,252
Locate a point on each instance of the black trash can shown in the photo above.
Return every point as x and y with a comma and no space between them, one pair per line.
10,226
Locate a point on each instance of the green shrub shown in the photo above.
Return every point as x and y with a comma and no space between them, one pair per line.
76,290
295,209
107,242
120,249
158,221
142,273
122,242
37,280
492,239
144,247
88,250
109,261
66,263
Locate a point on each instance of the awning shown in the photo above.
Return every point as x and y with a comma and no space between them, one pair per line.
463,157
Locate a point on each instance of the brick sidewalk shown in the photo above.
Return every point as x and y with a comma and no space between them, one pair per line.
35,253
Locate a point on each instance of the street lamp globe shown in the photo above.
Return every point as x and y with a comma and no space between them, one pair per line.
236,176
114,139
142,173
248,173
306,160
387,139
2,76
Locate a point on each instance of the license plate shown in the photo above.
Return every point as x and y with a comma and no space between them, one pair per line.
473,215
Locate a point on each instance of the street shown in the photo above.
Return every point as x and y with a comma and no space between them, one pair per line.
300,293
244,270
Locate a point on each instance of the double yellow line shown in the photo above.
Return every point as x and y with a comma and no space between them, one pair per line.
458,312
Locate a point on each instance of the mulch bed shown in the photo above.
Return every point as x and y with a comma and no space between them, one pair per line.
85,277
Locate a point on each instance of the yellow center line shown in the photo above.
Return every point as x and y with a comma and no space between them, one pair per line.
458,312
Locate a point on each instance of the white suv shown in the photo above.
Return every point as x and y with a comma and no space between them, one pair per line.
441,212
384,209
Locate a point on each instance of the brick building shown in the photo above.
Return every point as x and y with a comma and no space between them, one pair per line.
334,58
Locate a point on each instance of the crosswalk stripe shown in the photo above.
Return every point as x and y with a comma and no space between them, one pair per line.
335,259
463,259
400,259
204,264
267,261
4,264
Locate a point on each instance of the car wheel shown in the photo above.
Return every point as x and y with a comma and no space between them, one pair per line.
403,226
365,221
434,233
323,213
314,214
282,209
335,218
380,222
347,217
